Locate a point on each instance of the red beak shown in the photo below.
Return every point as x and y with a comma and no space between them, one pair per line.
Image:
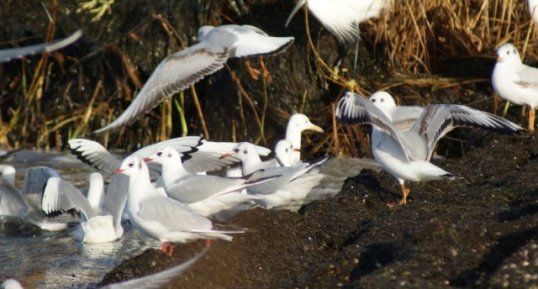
147,160
224,156
118,171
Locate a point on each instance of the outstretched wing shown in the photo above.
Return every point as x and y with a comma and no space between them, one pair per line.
176,72
437,120
61,195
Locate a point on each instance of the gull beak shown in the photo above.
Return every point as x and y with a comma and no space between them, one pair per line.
499,59
315,128
147,160
296,150
298,6
118,171
225,156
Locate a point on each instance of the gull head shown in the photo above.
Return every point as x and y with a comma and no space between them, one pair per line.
507,53
164,155
284,153
383,100
132,166
300,122
244,151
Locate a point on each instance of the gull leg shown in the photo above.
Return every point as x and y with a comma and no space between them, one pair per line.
254,73
265,72
531,119
208,243
167,248
405,193
505,110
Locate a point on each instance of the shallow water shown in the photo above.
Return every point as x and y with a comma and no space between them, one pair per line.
55,259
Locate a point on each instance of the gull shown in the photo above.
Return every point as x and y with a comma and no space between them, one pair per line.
206,194
20,52
405,152
285,192
200,155
101,213
515,81
342,17
161,217
184,68
284,153
298,123
13,203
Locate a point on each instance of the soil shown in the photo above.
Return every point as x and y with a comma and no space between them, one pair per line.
479,231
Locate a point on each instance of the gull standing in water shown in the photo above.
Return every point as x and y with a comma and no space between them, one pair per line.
405,152
13,203
160,217
184,68
515,81
101,213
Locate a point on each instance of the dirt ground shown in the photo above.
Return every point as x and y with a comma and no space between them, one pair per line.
479,231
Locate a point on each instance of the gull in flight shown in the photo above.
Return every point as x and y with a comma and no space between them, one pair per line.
515,81
184,68
101,213
20,52
161,217
404,148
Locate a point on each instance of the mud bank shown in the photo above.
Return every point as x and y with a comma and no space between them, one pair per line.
480,231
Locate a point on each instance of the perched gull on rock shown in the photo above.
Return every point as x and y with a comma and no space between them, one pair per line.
298,123
184,68
161,217
205,194
405,152
515,81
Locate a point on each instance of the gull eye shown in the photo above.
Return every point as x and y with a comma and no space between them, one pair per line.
287,149
131,165
382,100
373,99
508,52
245,152
236,150
169,155
159,154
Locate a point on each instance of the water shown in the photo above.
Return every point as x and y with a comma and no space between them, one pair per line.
54,259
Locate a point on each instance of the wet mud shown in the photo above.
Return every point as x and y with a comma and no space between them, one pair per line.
479,231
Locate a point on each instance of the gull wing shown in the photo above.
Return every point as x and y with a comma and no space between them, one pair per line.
157,280
61,195
172,215
252,41
176,72
527,77
353,108
437,120
94,154
20,52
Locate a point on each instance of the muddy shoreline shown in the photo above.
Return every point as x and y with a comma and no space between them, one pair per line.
480,231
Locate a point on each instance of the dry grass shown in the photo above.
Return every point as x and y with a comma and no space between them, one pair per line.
65,95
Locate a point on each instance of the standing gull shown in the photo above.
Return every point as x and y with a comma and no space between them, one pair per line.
206,194
160,217
515,81
406,153
184,68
